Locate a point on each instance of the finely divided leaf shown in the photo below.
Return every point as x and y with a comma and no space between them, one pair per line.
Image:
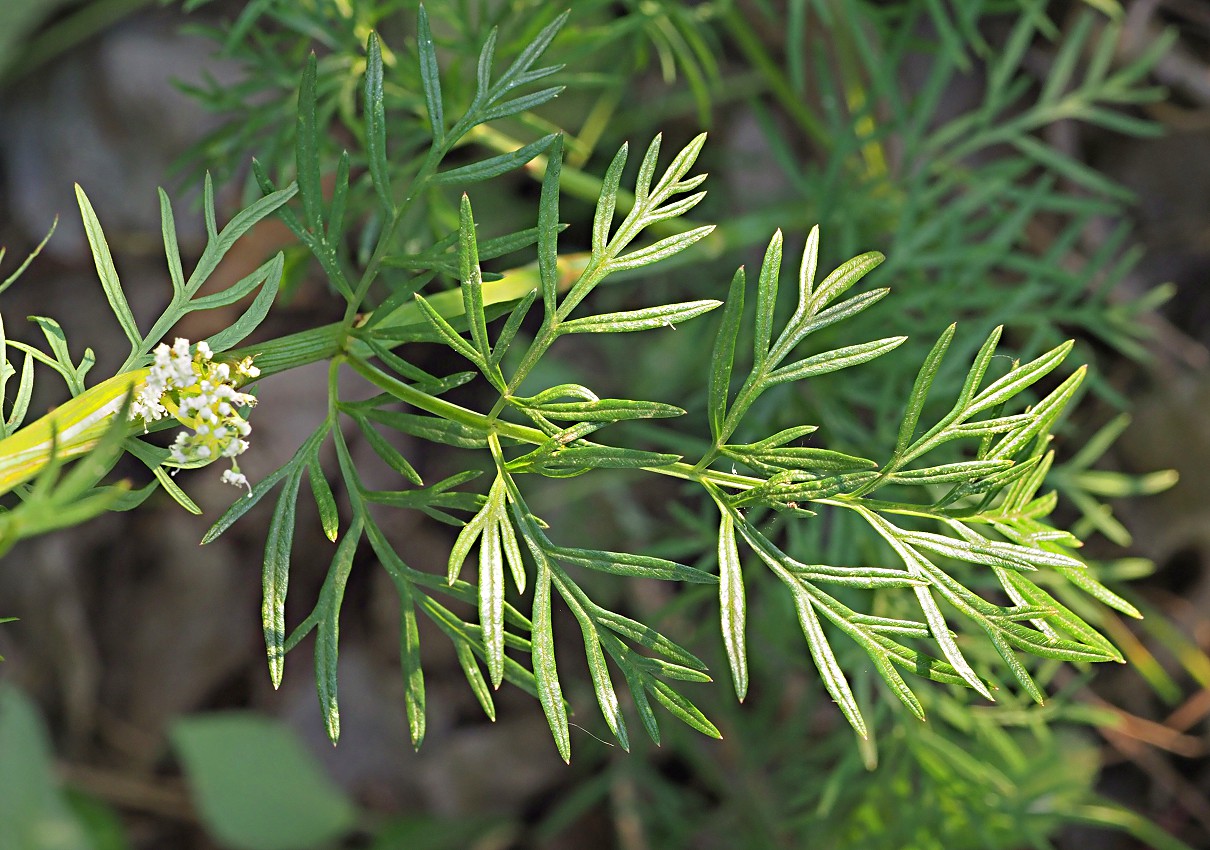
327,638
664,316
664,248
603,218
376,125
548,228
831,361
493,166
276,575
430,78
106,271
722,358
306,149
766,302
732,605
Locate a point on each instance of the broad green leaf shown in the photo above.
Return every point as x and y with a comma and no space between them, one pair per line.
106,271
664,316
256,786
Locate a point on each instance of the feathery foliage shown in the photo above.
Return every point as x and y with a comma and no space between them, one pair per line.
903,513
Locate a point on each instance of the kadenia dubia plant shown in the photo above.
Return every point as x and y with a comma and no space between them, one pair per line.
958,503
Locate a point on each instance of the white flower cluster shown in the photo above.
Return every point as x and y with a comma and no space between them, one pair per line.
201,395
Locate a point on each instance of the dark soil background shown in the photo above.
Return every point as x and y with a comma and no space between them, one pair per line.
126,622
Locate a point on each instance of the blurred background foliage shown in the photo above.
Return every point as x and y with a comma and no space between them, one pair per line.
1019,164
